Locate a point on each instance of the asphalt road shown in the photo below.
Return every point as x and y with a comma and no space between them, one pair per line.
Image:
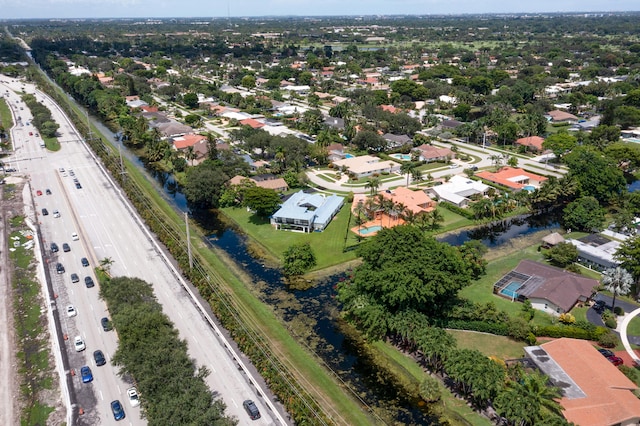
108,227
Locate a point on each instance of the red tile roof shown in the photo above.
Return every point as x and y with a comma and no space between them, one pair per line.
512,177
251,122
609,399
187,141
531,141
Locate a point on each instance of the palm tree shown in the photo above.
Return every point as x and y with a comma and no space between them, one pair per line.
105,264
407,168
416,176
373,184
359,211
190,154
618,281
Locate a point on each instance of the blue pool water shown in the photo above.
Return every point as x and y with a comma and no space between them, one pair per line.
529,188
510,290
403,157
348,156
370,229
634,140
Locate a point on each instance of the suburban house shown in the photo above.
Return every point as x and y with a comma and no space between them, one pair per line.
415,201
513,178
531,143
596,253
367,165
549,289
267,181
181,143
450,124
307,212
336,152
557,116
430,153
458,191
594,391
396,141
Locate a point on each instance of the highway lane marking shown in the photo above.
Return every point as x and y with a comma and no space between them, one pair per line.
234,402
101,396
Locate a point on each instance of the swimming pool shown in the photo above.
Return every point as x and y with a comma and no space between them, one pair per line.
348,156
510,290
370,229
529,188
634,140
401,157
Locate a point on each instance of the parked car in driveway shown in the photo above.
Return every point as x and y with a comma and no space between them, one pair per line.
615,360
599,306
606,352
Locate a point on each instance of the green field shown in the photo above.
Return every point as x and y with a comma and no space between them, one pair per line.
490,345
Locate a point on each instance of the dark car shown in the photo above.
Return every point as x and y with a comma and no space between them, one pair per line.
599,306
74,278
45,212
251,409
88,282
78,186
606,353
615,360
59,268
106,324
48,191
66,247
54,248
99,358
117,410
84,262
85,372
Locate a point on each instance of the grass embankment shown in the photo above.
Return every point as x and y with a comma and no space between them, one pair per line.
52,144
5,117
31,330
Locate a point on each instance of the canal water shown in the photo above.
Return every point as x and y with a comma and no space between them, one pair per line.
312,314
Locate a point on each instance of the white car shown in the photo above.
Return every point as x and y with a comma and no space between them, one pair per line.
71,311
56,213
78,343
74,236
134,399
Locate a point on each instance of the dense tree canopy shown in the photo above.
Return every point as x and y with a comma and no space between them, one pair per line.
402,270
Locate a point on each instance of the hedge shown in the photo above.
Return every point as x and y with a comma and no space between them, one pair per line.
569,331
485,327
467,213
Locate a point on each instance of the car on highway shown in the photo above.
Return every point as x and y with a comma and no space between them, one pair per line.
99,358
66,247
61,169
45,212
30,133
75,278
106,324
117,410
134,399
88,282
84,261
54,248
38,192
47,191
71,311
251,409
78,186
85,372
78,344
59,268
56,213
74,236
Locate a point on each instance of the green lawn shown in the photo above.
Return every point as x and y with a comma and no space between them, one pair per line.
490,345
327,245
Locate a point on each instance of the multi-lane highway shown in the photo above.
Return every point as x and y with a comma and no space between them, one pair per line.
108,228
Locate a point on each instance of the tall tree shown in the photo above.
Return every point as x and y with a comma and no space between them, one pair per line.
618,281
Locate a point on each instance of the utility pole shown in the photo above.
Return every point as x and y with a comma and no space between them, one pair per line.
186,221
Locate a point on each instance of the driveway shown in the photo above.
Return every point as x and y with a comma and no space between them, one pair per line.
594,317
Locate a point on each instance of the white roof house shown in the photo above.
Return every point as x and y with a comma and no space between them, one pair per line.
598,257
307,212
458,190
367,165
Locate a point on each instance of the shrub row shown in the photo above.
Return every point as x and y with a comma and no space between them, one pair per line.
467,213
569,331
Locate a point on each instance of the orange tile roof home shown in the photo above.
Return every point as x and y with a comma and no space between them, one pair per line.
558,116
253,123
416,201
186,141
389,108
532,142
595,392
512,177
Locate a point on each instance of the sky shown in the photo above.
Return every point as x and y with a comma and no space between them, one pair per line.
43,9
